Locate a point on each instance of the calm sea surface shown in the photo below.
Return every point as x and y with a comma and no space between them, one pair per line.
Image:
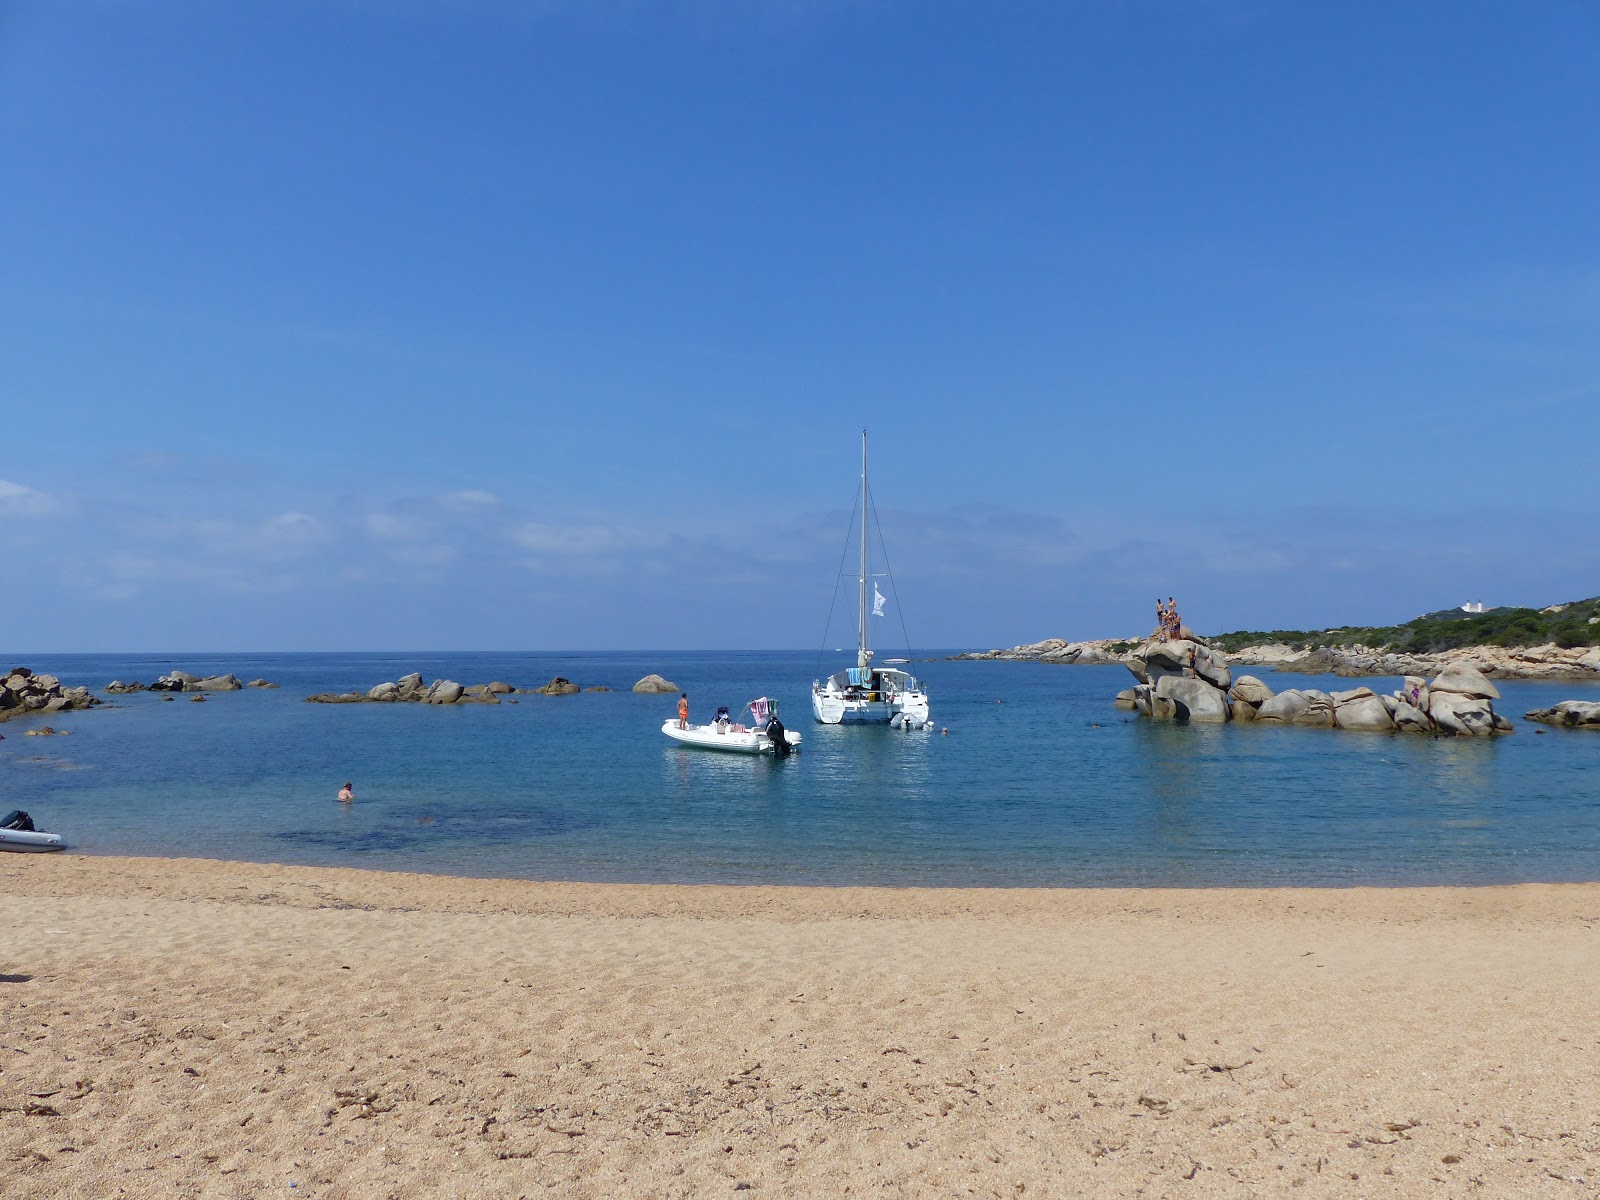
1052,786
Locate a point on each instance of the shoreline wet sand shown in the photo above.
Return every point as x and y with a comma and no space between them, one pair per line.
201,1028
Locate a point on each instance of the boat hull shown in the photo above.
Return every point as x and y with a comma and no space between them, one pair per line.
706,737
30,841
832,709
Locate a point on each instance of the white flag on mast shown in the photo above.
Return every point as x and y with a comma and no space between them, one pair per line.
878,599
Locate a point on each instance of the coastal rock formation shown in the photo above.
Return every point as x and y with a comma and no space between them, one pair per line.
1491,662
1362,709
559,686
1056,650
182,681
444,691
1465,679
654,683
1193,699
1571,714
23,692
410,689
1250,690
1184,680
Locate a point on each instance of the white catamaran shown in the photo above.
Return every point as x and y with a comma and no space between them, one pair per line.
864,694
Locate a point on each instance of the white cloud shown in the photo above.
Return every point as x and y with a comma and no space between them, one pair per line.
423,555
469,500
576,540
392,527
19,501
295,529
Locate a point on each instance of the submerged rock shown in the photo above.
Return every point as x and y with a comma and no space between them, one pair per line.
1573,714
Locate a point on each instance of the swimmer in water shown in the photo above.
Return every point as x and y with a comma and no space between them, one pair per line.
346,793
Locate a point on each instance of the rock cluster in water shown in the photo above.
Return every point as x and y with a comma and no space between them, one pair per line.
410,689
652,684
182,681
1571,714
1186,680
23,692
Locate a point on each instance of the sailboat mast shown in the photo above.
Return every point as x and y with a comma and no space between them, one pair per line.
863,655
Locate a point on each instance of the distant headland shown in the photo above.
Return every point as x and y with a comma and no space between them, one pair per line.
1560,641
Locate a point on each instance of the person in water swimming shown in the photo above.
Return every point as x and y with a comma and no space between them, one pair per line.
346,793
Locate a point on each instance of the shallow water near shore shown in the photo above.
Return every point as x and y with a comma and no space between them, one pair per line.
1051,787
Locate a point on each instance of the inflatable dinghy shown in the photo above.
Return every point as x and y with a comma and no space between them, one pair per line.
17,833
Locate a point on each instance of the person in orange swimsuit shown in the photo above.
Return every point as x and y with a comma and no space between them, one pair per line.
683,711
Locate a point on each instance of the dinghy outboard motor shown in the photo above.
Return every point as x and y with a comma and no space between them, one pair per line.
18,820
780,743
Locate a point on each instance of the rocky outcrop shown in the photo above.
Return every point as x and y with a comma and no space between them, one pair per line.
182,681
653,684
559,686
1569,714
1193,699
410,689
1362,710
1056,650
1466,680
1181,680
22,692
1250,690
1493,662
444,691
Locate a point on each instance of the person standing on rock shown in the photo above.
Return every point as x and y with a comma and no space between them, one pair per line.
683,711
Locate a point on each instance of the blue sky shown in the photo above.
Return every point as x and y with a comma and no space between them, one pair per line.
491,325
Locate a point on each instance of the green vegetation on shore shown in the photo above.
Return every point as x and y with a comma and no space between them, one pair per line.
1573,624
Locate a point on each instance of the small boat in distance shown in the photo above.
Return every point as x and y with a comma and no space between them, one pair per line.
864,694
764,735
17,833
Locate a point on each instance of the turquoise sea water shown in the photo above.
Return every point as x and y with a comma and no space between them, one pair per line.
1051,787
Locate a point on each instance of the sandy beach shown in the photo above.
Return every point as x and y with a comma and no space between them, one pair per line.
194,1028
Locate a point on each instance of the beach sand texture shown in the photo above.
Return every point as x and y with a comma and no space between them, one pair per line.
190,1028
